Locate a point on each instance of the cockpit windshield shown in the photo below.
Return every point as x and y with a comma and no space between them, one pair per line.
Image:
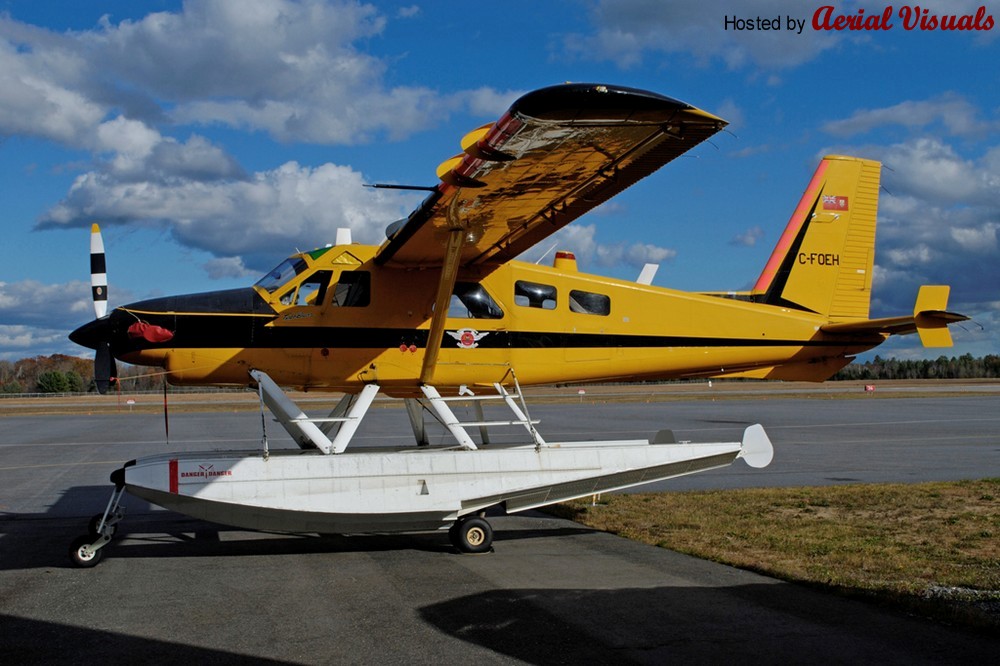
285,271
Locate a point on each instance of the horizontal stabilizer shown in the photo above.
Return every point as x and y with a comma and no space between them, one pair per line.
930,320
931,316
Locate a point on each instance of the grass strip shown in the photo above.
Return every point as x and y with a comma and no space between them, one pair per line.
929,548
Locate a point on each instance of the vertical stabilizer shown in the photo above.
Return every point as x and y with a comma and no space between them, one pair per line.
823,260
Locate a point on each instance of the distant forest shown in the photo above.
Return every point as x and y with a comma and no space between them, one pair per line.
943,367
70,374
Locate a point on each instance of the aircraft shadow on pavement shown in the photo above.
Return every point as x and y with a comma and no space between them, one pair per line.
43,540
763,623
753,623
28,641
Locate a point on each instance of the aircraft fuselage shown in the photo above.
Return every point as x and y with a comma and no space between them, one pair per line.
333,320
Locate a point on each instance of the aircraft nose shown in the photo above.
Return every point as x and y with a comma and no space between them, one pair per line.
93,333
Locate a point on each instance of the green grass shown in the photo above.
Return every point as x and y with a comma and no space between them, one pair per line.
932,548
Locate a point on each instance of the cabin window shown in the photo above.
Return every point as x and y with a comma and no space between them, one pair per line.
280,276
534,295
586,302
311,291
470,301
353,290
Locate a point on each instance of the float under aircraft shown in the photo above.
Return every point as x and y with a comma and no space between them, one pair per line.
443,310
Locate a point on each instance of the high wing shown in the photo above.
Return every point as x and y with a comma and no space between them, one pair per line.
555,154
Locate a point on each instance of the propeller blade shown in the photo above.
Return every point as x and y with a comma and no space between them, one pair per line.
104,367
166,417
98,272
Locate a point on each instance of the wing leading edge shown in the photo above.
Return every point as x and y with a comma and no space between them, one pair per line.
555,154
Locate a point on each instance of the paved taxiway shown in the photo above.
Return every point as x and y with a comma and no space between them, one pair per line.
173,589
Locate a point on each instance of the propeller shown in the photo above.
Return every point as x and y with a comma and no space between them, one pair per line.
113,331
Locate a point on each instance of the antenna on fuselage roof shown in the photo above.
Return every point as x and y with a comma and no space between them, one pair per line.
546,253
647,274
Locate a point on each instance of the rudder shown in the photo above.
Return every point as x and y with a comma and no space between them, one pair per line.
823,260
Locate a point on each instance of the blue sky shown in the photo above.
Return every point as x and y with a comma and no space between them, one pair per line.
213,138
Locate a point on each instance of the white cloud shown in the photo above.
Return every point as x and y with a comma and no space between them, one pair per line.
938,246
731,112
290,68
626,31
35,99
129,138
18,341
977,240
931,170
915,255
227,267
37,316
291,206
638,254
252,49
748,238
488,102
35,303
956,115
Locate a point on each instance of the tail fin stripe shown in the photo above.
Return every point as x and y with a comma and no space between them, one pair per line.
792,229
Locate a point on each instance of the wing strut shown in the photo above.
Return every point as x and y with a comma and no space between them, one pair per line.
449,273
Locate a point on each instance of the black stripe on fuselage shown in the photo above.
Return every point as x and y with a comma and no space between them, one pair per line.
196,331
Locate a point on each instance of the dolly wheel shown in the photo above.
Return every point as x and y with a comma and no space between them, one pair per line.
83,554
473,535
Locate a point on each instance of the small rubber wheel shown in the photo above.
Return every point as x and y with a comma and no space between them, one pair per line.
473,535
83,555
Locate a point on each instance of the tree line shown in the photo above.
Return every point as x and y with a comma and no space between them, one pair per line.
70,374
943,367
60,373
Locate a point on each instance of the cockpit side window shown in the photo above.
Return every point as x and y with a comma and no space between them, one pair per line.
470,301
353,290
311,291
280,276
